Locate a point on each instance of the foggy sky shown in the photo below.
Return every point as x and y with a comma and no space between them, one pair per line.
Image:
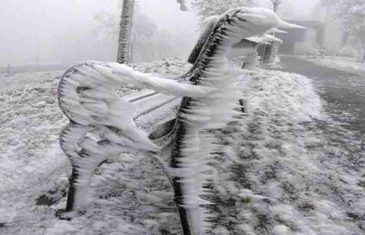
63,30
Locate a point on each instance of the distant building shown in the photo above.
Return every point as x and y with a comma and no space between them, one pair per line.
298,41
322,32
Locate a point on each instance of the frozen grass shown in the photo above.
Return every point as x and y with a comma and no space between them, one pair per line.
288,167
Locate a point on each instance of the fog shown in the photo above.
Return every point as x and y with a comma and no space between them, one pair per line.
257,135
64,31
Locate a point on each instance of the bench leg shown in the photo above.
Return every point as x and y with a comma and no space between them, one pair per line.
84,163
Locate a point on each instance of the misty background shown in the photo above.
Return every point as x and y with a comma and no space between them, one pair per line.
67,31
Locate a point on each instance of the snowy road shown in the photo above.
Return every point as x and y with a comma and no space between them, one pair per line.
343,91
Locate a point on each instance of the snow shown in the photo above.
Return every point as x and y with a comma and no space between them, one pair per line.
287,164
31,161
347,64
287,168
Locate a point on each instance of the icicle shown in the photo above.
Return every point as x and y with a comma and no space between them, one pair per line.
194,144
276,30
286,25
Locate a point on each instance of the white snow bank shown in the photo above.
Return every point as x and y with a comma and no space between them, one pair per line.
292,95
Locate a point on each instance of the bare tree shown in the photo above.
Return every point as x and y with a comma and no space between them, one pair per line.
125,33
350,14
126,23
276,4
183,6
206,8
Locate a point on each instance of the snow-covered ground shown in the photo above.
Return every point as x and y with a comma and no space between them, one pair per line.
346,64
31,161
288,167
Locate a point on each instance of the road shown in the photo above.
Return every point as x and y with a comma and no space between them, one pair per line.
344,93
342,153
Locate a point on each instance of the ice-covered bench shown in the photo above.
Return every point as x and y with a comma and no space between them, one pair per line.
114,109
110,114
155,114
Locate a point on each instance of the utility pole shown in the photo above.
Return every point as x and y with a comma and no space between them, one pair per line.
325,27
8,70
126,23
276,4
37,55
